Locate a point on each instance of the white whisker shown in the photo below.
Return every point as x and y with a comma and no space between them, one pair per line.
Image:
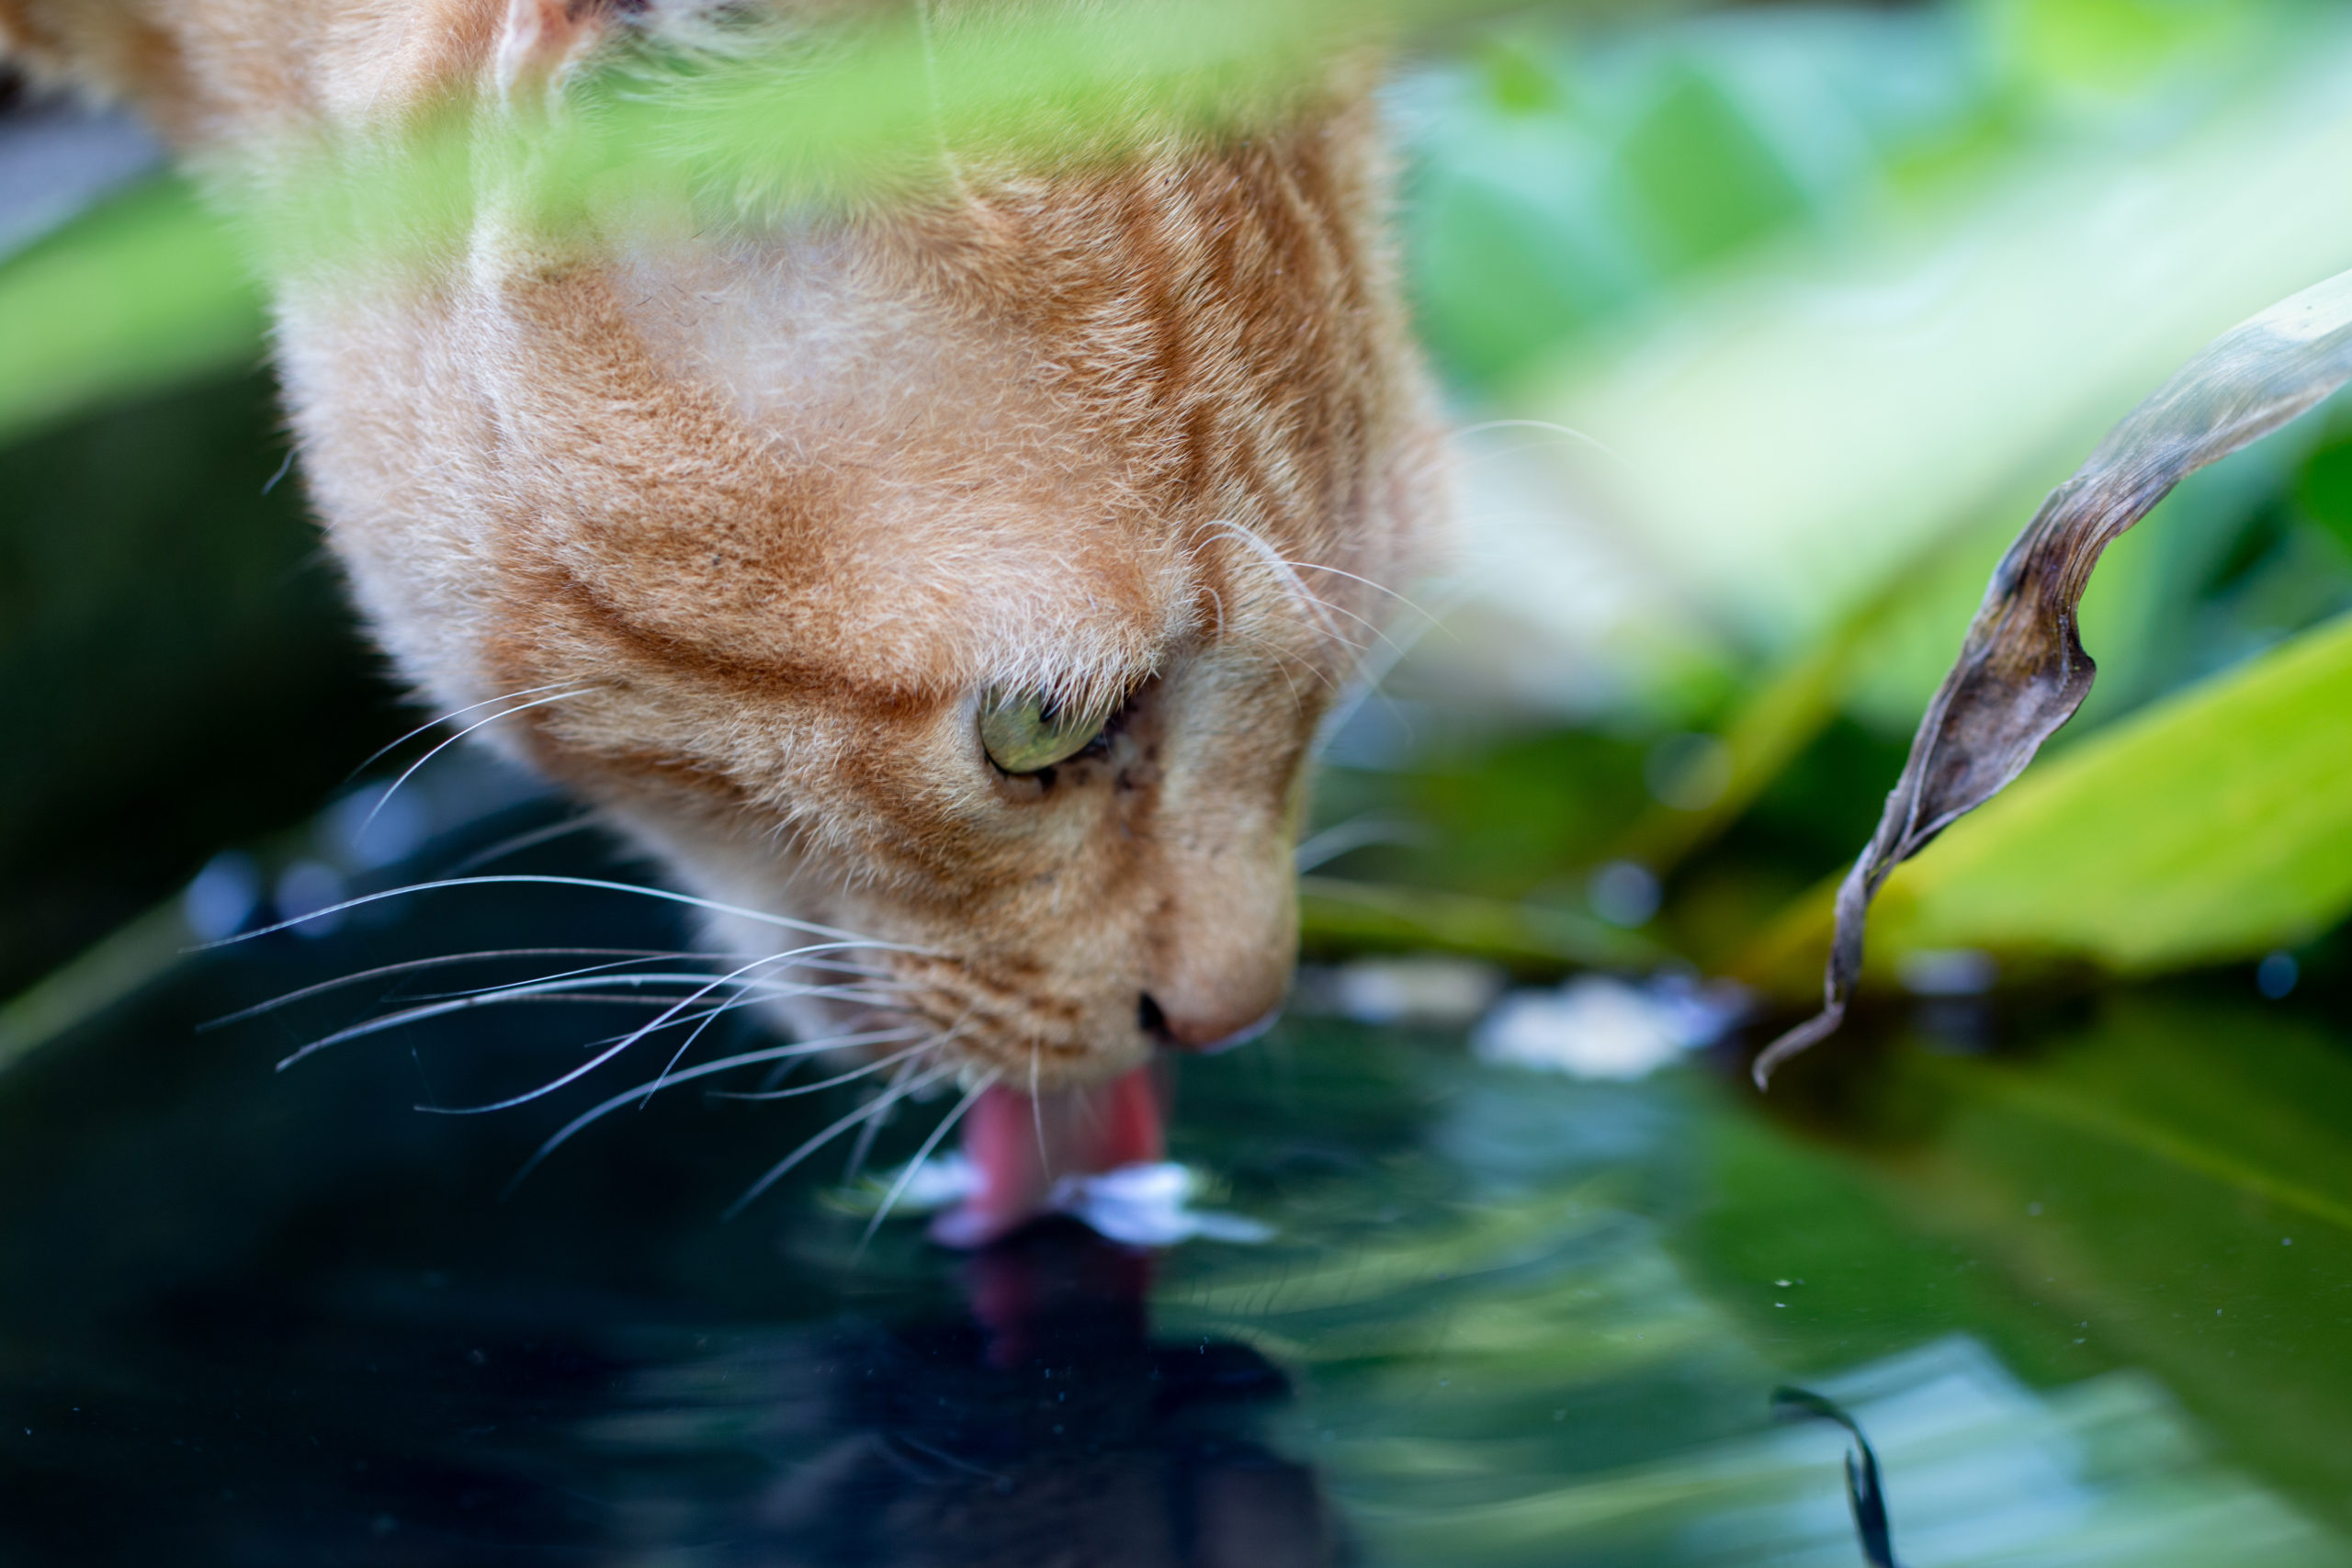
734,976
703,980
1356,833
1368,582
855,1164
518,842
1543,424
1272,560
725,1063
568,988
409,771
748,990
898,1188
847,939
1037,1113
841,1043
668,1076
598,1060
444,718
878,1106
391,1021
414,965
765,1053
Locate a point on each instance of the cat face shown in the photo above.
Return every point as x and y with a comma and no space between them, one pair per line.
755,536
952,589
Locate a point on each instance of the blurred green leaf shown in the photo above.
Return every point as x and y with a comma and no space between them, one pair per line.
1702,180
1785,712
2111,46
1338,917
2323,488
146,290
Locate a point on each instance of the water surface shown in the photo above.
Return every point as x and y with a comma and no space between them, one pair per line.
2082,1277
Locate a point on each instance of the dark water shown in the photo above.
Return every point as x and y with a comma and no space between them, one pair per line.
2088,1297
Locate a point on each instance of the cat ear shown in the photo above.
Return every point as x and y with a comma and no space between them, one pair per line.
542,41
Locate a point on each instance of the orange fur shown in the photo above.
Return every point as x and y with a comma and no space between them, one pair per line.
780,504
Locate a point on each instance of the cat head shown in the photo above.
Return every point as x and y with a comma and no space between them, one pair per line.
967,576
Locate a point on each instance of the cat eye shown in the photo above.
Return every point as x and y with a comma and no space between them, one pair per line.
1030,734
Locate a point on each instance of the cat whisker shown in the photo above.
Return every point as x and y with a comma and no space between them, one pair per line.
595,990
929,1043
1366,686
878,1005
409,771
669,1074
441,720
1368,582
735,977
709,1017
1355,833
855,1164
1284,572
854,1167
384,1021
1284,659
605,974
1037,1113
899,1188
532,839
1368,625
503,879
609,1051
757,990
727,1064
1545,425
415,965
879,1105
573,986
594,974
780,1072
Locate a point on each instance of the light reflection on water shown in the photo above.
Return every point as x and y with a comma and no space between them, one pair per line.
2086,1304
1552,1373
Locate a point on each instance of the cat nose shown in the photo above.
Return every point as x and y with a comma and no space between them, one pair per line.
1204,1033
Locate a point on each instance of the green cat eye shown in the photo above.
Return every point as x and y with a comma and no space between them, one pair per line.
1029,734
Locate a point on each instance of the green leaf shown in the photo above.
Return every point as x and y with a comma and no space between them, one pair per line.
143,291
1338,917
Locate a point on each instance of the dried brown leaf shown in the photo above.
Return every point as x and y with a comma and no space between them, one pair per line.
2022,671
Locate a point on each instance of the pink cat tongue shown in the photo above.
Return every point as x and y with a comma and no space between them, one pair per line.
1021,1146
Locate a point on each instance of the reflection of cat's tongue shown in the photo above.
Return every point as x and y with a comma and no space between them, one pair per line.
1020,1146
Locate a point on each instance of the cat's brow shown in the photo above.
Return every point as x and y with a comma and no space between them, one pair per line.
766,674
1090,659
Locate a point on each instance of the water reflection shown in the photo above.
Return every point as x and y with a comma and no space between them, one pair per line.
1043,1424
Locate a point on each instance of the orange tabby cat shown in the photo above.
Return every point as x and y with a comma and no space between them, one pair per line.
941,574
